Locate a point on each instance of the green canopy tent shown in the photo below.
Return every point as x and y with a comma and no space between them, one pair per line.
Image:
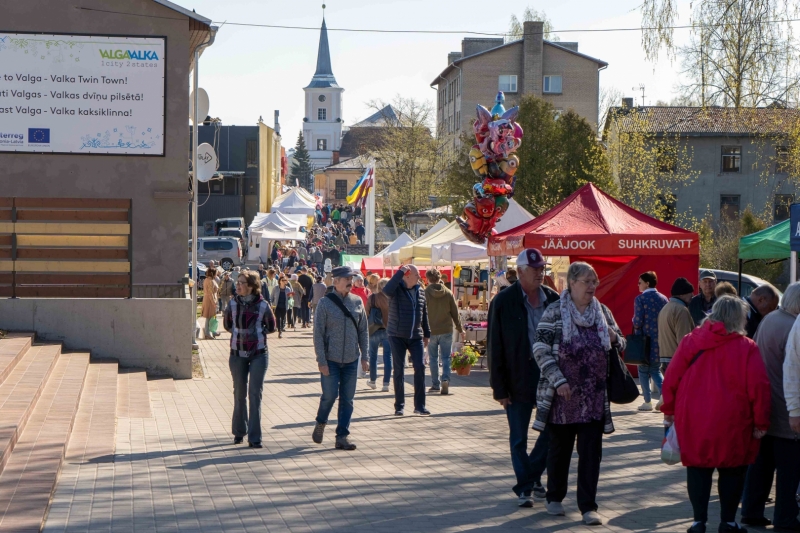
768,244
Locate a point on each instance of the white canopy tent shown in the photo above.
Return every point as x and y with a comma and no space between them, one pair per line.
403,240
274,226
295,202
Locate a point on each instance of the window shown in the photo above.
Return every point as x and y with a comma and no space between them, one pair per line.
322,114
252,153
458,119
224,245
781,206
781,159
667,158
507,84
322,144
213,187
729,207
552,85
731,158
341,189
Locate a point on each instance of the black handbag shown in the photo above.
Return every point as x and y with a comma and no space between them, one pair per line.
621,387
637,351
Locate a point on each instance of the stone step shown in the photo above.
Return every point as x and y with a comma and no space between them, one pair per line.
133,397
12,348
29,478
19,393
94,432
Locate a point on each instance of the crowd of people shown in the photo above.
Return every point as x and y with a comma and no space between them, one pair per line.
548,357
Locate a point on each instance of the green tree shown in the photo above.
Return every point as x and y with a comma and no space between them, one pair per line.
516,27
301,166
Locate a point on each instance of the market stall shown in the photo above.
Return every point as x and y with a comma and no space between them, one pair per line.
770,244
618,241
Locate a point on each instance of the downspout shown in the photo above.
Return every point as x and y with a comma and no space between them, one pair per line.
195,166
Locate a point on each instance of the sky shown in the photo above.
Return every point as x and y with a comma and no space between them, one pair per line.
250,72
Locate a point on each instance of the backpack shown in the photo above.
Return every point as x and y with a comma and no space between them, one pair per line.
375,314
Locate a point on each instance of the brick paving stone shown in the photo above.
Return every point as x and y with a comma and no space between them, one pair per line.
175,467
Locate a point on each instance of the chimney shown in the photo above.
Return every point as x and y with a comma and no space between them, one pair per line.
627,103
335,157
277,122
569,46
453,56
476,45
533,57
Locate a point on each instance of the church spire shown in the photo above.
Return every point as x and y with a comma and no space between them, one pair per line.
323,77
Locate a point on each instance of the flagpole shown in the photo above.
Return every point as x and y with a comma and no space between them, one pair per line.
370,222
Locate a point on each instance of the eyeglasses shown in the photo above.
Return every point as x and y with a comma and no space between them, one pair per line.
589,283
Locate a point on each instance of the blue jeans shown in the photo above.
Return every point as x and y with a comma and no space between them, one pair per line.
257,368
415,348
339,383
376,340
653,370
528,467
440,343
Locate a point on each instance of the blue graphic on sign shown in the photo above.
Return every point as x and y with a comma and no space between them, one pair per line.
794,229
39,135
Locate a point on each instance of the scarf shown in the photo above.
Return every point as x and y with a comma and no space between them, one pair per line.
593,316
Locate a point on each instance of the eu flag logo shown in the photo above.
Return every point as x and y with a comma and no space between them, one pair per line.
39,135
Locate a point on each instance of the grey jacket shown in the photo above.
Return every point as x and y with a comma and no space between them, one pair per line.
772,337
336,339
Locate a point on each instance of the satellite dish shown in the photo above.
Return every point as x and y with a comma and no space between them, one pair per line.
207,162
202,104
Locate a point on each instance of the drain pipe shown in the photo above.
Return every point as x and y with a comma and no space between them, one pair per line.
195,166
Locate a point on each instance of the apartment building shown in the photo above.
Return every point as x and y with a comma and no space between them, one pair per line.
739,156
556,72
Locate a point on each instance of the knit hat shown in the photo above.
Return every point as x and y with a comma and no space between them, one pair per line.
681,287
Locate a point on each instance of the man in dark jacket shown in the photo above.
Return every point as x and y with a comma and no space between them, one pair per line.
306,281
762,301
700,306
514,315
408,331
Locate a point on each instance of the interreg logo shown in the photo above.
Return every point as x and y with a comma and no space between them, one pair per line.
141,55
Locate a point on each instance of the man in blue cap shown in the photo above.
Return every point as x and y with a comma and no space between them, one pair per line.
341,333
514,315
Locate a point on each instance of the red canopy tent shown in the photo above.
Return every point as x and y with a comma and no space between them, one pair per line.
375,265
618,241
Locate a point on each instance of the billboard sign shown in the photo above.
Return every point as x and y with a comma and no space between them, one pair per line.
82,94
794,229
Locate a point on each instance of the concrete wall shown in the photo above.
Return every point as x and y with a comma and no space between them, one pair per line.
160,227
139,333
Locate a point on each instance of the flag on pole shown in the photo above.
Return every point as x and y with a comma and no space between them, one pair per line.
358,194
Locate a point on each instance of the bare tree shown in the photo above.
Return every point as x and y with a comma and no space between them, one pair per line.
609,97
516,28
740,55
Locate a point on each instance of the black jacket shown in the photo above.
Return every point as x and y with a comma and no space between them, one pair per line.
754,318
696,308
408,309
513,372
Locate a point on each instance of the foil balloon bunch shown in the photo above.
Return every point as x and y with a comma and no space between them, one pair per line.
492,159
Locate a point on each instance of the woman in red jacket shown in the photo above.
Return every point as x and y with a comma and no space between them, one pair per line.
717,394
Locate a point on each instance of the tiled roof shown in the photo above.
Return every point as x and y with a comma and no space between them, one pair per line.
709,121
360,140
379,118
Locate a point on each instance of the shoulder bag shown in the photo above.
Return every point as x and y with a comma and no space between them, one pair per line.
637,351
621,387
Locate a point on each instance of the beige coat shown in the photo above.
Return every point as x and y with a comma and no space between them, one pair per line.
674,323
210,299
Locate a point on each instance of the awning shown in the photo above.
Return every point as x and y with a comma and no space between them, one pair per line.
770,243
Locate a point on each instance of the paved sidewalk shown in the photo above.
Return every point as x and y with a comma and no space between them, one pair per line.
177,470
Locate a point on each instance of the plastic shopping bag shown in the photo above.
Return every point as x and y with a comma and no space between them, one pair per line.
213,324
670,451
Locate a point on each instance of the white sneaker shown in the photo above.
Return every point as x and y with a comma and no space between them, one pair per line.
371,384
659,404
385,388
555,508
591,518
646,406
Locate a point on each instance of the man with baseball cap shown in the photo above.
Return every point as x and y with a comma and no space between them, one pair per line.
514,315
700,306
341,333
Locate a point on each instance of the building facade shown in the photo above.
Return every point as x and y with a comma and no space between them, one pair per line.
556,72
322,125
738,156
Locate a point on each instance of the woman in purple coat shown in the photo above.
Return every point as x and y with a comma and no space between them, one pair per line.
646,307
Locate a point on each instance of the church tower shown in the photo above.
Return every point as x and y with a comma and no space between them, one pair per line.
322,125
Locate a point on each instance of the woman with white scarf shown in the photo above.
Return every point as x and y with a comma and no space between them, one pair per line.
572,344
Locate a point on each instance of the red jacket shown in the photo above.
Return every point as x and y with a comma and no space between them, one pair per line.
362,293
719,400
